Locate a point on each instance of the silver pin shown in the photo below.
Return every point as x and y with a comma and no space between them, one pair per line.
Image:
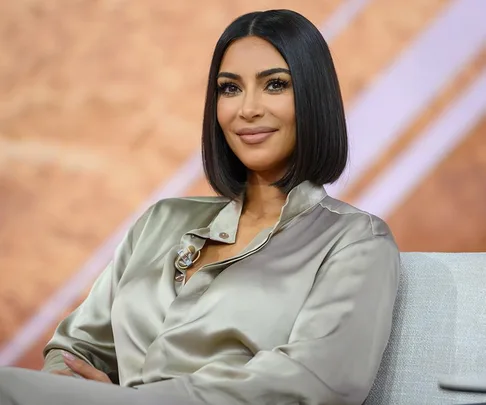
185,258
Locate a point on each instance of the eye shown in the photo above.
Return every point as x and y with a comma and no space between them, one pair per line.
228,88
277,85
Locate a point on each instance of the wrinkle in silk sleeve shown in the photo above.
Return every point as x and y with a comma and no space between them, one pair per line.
335,347
87,331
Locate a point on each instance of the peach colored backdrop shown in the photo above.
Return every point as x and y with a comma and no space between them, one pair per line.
101,105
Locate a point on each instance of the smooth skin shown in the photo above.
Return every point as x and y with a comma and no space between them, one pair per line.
80,367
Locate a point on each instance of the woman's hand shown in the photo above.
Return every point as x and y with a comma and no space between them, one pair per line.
81,368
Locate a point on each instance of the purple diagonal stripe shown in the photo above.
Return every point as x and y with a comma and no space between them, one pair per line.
405,89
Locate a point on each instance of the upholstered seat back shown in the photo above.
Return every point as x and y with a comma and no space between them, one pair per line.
439,328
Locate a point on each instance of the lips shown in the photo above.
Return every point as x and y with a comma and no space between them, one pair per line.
256,135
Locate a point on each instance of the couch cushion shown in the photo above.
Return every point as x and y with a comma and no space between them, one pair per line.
439,328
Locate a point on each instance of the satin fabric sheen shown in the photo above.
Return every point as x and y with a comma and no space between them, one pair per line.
301,315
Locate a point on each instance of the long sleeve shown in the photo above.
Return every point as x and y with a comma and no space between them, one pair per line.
335,347
87,331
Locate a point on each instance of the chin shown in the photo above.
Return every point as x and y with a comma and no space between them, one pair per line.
262,165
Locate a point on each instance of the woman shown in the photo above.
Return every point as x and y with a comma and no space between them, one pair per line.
273,293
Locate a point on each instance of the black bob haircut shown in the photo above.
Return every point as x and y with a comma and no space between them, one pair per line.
321,150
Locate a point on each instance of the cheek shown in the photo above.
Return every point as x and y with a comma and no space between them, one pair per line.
284,110
225,113
286,114
289,113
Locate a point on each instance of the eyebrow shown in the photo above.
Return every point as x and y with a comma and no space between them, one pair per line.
259,75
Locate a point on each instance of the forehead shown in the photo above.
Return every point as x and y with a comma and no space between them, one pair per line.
251,55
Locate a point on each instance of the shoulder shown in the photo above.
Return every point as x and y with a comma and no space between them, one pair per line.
187,205
360,240
172,213
353,224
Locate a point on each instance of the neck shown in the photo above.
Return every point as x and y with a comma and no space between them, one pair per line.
263,201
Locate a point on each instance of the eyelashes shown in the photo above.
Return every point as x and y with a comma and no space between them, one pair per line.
280,84
273,86
227,88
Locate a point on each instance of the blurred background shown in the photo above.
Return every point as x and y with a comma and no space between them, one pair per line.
100,115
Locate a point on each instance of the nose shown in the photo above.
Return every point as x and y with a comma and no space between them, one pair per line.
251,107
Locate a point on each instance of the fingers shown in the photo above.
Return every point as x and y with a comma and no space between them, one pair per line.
84,369
65,372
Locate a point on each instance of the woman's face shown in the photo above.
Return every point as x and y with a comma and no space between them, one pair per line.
256,106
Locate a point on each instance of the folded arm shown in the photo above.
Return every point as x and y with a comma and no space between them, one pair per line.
87,332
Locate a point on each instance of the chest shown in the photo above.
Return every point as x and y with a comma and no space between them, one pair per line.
257,297
214,252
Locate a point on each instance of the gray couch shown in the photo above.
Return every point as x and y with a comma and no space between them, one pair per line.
439,328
